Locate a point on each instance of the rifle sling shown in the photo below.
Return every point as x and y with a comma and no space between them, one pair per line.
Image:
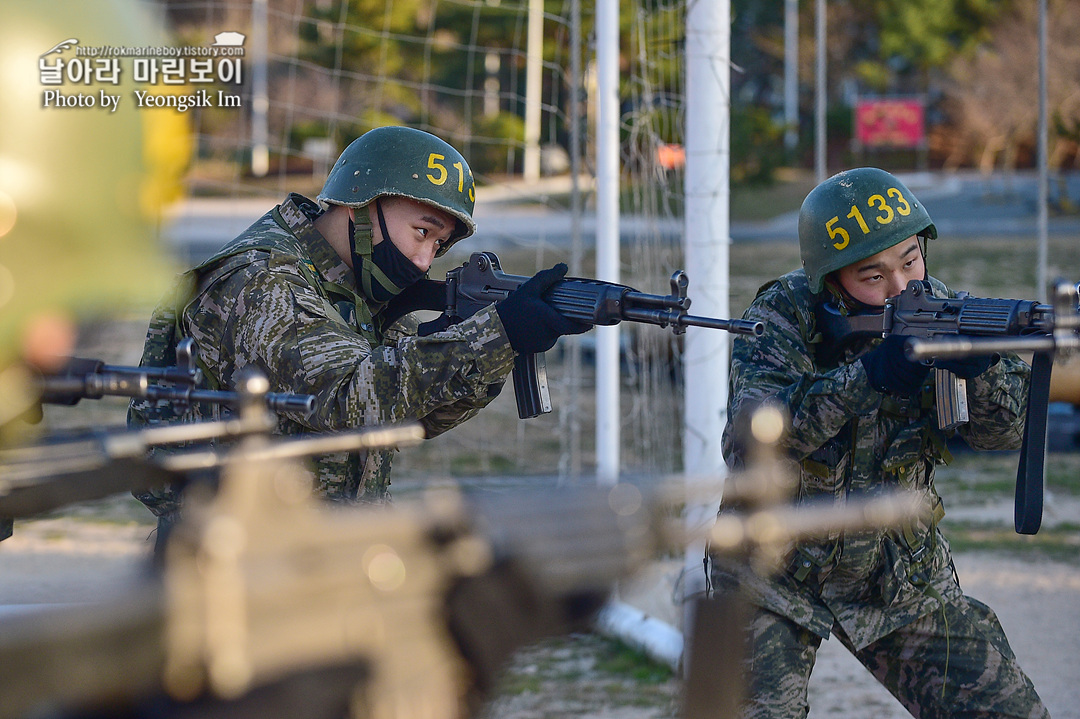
1031,471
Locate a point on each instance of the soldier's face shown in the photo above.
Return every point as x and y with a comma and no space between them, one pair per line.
416,229
884,275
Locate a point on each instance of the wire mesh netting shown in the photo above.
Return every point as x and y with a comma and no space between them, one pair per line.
461,69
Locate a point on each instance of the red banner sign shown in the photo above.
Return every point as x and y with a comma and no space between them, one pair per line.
890,123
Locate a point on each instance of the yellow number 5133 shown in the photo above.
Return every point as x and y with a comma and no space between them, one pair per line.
874,202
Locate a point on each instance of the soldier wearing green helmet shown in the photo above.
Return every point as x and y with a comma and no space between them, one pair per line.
300,296
427,169
862,420
854,215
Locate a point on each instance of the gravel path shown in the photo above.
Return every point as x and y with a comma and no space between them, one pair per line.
1038,603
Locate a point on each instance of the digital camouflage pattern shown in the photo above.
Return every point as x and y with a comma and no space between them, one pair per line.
953,662
280,299
847,438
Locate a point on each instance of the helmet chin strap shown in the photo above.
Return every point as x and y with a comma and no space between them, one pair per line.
844,299
382,271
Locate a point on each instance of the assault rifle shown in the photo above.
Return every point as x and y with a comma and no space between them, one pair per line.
39,478
1040,328
481,281
916,312
1055,331
64,470
964,326
93,379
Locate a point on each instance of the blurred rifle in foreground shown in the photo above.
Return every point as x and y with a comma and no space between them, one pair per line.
93,379
481,281
38,478
1052,330
272,606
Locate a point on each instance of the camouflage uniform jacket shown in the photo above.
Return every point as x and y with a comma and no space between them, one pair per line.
280,299
846,437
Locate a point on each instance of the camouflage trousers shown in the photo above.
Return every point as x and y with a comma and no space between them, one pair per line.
955,662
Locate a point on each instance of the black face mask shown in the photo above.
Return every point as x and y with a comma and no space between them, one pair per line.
385,272
397,268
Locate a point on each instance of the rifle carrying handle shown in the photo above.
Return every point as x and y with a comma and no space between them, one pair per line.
531,385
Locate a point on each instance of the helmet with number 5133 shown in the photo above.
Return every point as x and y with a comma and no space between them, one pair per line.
404,162
853,215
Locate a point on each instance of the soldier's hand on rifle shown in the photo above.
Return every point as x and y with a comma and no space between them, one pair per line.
889,370
531,323
968,367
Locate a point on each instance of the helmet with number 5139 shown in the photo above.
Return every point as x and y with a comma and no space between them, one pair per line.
853,215
404,162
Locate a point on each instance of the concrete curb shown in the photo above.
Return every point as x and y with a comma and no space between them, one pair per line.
656,639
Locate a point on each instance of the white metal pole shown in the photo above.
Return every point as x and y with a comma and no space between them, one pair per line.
791,74
260,99
708,157
820,136
577,124
607,235
1042,219
534,57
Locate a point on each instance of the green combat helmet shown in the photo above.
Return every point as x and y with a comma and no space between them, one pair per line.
409,163
853,215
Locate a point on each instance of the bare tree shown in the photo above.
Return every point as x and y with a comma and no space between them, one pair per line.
992,95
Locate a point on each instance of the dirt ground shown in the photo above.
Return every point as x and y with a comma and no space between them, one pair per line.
66,560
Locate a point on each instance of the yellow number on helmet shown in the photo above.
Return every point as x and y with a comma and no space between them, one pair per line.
433,163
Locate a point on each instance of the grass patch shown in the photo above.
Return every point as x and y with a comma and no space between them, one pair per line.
117,510
620,660
464,465
1059,543
515,683
1063,472
582,673
763,202
974,477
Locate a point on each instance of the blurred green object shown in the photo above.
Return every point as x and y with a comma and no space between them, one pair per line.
80,186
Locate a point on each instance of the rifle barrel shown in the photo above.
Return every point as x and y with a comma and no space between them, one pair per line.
275,401
674,318
921,349
379,437
739,327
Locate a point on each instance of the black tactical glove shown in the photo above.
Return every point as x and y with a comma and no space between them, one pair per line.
531,323
890,371
968,367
